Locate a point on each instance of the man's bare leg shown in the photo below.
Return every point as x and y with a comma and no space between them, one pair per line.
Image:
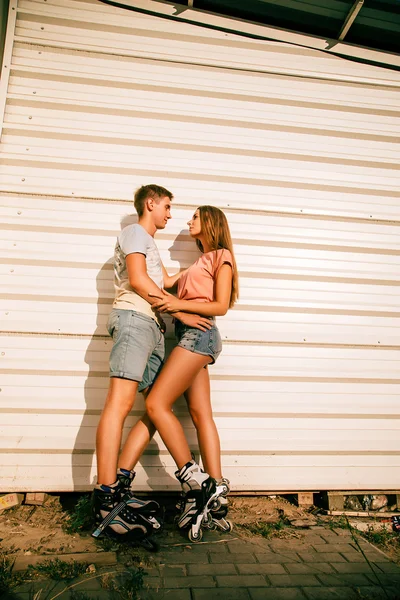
120,399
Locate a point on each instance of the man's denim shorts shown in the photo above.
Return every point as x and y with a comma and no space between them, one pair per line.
138,350
207,342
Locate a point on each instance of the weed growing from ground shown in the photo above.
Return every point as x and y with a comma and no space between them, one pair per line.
382,537
387,540
8,579
57,569
126,585
267,530
81,518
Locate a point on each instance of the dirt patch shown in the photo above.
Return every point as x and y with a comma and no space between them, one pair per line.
39,530
248,509
269,517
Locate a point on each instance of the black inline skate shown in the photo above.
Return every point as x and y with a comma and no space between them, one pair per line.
200,491
120,515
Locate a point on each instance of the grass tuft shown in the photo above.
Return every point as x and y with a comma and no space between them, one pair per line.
81,519
382,537
57,569
125,586
8,579
267,530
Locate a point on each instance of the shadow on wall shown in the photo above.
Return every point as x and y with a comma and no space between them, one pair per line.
97,381
96,384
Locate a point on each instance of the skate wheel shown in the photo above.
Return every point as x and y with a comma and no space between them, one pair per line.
194,538
216,505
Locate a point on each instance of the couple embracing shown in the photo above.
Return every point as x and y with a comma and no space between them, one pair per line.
205,290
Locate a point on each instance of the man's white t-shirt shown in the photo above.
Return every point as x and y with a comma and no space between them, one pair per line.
135,238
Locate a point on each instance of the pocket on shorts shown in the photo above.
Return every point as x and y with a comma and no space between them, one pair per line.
113,324
191,335
189,338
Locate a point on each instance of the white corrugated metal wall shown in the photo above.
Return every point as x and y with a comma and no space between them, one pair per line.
301,151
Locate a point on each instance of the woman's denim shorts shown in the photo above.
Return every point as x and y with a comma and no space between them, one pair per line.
208,342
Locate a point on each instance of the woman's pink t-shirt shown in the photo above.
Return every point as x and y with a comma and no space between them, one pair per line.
197,283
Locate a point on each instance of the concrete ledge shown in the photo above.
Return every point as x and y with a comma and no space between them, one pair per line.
98,558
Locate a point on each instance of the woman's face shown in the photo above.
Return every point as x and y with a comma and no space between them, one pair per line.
195,225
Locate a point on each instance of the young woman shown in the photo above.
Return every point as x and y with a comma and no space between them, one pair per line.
208,288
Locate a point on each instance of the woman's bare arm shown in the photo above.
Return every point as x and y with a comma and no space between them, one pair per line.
218,307
170,280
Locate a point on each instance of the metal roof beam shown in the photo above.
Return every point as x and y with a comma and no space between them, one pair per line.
351,17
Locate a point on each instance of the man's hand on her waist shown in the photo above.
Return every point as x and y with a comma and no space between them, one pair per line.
168,303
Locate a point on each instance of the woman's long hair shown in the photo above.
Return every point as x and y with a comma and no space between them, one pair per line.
215,228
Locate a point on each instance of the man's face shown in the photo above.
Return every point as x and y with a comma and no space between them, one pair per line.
161,212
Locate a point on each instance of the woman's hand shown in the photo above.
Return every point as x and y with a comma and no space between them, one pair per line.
196,321
168,303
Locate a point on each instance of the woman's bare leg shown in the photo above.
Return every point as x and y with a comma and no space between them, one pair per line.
120,399
199,403
177,375
136,443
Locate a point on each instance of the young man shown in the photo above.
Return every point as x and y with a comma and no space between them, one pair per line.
135,360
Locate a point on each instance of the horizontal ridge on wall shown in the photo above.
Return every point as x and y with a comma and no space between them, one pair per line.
112,34
385,210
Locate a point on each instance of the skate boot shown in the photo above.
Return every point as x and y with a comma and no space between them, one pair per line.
120,515
125,478
200,492
219,508
180,503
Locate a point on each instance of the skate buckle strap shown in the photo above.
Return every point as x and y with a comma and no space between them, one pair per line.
204,515
107,520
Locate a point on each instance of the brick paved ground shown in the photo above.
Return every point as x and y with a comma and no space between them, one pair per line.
321,564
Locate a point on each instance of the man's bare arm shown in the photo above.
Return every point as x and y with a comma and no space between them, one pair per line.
139,279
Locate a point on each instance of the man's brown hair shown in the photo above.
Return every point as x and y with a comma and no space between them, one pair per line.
149,191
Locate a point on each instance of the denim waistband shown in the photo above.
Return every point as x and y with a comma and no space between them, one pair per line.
176,320
139,315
